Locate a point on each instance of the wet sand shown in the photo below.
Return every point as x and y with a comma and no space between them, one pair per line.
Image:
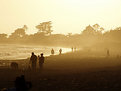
78,71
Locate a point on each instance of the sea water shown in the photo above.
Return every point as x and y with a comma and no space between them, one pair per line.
13,52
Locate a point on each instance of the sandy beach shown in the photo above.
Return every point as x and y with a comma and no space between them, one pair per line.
77,71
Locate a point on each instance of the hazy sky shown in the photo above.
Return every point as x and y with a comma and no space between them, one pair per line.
66,15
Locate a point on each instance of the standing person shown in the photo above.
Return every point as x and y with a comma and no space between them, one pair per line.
52,51
60,51
33,60
72,49
41,61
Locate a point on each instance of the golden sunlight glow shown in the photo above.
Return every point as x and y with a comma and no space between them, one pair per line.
63,14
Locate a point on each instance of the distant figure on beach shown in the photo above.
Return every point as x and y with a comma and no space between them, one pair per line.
52,51
14,65
72,49
60,51
33,60
41,61
108,53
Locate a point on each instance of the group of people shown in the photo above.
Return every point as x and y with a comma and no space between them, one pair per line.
33,61
73,49
52,51
34,58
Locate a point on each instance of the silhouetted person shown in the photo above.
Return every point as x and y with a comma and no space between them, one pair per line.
108,53
72,49
41,61
52,52
60,51
21,84
33,60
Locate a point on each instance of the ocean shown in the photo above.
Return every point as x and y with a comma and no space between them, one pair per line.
13,52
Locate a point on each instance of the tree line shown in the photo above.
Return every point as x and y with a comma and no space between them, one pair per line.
94,35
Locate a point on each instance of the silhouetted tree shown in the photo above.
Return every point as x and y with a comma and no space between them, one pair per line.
118,28
18,33
97,28
101,29
91,35
89,30
113,35
25,27
69,34
45,27
3,36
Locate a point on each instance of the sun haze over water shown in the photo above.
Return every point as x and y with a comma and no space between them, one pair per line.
63,14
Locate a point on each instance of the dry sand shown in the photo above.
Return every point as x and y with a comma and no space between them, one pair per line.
78,71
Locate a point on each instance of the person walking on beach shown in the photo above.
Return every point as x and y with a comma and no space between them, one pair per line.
52,51
33,60
60,51
72,49
41,61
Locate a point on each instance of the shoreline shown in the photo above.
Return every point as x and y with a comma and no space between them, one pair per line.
69,72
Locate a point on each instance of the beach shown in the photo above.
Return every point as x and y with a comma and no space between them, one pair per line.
75,71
